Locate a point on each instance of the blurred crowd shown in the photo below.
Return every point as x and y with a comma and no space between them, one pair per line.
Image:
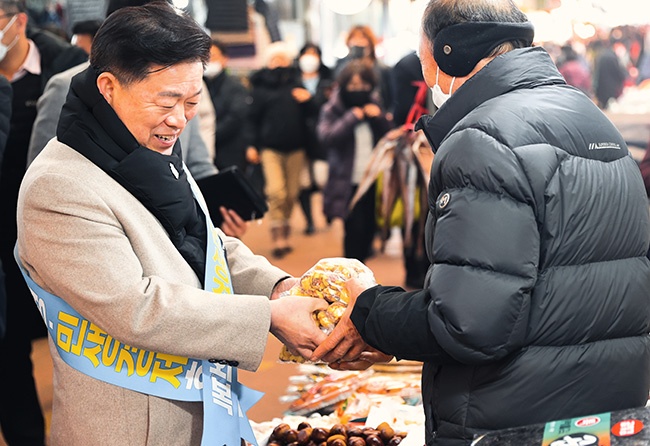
604,65
283,122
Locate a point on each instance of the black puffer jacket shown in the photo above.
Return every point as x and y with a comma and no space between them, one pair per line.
276,119
5,113
536,305
5,119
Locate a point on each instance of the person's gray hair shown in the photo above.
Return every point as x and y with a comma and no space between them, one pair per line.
439,14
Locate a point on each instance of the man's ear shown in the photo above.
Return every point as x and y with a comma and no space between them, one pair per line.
21,20
106,84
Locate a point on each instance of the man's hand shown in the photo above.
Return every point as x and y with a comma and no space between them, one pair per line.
344,344
252,155
292,322
366,359
301,95
233,225
358,112
371,110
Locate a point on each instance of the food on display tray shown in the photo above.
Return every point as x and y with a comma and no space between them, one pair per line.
328,391
336,435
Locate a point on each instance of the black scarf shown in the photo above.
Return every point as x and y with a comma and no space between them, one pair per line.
89,125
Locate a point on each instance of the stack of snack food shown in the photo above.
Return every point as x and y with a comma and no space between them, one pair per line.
326,280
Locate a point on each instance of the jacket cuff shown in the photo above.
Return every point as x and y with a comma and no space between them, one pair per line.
364,303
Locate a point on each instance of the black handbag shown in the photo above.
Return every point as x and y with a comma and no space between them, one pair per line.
231,189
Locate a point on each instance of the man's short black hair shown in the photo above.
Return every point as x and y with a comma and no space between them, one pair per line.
88,27
133,39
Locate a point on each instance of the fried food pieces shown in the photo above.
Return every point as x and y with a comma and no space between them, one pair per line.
326,280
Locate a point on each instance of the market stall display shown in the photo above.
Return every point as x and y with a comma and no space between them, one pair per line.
324,397
622,428
362,407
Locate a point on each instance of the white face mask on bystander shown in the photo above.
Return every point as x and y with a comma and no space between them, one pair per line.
439,97
309,63
213,69
4,49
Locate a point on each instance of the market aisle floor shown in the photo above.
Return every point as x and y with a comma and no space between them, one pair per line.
271,377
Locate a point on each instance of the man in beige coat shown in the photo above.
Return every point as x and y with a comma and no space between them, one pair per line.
110,222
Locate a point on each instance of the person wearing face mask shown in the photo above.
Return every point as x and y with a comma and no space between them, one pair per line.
349,127
361,42
534,306
277,133
229,99
317,80
28,58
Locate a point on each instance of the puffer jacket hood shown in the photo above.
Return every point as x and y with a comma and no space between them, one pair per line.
535,306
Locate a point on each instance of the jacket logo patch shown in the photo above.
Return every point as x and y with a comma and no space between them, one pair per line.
604,146
444,201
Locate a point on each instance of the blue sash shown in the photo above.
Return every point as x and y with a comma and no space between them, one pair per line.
90,350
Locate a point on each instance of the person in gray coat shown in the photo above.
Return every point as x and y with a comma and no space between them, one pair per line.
535,306
115,240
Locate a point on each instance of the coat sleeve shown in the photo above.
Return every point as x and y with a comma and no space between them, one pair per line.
49,107
5,114
104,278
485,249
230,122
195,151
255,113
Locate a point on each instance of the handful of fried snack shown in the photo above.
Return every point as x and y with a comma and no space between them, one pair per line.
326,280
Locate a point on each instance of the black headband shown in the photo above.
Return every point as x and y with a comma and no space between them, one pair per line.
458,48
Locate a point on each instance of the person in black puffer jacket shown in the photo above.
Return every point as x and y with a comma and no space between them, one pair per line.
535,307
278,129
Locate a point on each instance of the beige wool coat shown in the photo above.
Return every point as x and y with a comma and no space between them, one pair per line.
84,238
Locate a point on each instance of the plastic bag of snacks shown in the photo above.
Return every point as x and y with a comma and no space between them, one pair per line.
326,280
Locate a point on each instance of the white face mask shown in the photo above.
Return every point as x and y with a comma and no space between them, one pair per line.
309,63
439,97
213,70
4,49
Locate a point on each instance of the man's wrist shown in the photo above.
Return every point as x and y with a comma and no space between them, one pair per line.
275,291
